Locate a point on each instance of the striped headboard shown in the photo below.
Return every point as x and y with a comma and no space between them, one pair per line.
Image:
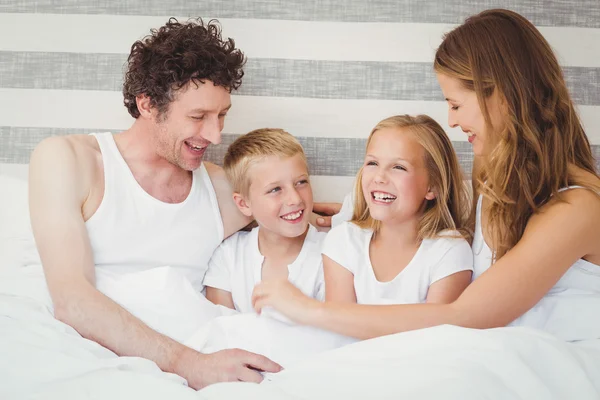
327,71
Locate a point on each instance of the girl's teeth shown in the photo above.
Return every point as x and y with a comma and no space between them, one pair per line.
384,197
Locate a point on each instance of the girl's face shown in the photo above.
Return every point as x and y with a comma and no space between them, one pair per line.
395,182
464,112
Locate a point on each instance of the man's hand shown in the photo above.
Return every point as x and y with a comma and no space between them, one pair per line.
234,365
325,211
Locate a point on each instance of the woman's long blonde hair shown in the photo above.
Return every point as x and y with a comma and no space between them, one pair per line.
448,210
541,138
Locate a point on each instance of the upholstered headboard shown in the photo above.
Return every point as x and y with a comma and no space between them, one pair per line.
327,71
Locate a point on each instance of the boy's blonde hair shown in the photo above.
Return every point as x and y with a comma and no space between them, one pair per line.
253,147
448,210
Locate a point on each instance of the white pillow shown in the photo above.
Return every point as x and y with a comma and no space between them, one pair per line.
15,227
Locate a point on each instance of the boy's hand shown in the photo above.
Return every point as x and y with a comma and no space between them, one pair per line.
284,297
325,211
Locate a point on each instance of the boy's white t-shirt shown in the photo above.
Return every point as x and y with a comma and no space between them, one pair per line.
348,245
236,267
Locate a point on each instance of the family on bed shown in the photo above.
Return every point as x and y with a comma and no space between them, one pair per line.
409,250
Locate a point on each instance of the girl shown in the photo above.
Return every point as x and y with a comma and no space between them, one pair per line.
406,242
403,243
537,232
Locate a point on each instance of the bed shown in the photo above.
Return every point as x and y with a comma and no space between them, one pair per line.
43,358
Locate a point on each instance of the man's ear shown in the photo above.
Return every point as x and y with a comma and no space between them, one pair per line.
430,195
144,106
242,204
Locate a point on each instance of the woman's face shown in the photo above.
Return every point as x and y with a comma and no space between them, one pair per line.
464,112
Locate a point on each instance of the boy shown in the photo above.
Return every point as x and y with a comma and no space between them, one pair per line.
268,171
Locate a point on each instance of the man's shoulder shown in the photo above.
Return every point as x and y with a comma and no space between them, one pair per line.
84,148
233,219
75,158
240,240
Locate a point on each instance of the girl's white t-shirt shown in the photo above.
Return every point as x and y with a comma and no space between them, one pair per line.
348,245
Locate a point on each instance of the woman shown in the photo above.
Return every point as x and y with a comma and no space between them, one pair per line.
537,218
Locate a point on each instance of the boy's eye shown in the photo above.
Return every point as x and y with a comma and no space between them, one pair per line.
302,182
274,190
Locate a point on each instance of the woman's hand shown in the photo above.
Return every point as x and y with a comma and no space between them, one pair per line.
284,297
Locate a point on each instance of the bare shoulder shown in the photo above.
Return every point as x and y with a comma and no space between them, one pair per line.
575,215
75,159
233,219
216,173
81,148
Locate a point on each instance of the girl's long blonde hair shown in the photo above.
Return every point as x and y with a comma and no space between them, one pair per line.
500,52
448,210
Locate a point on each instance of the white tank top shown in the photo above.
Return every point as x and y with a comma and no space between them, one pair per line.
131,231
570,310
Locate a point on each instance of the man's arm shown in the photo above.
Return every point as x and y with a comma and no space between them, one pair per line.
58,189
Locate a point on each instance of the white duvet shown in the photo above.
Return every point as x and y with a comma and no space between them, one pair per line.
43,358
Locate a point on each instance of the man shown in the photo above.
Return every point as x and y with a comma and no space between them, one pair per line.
143,198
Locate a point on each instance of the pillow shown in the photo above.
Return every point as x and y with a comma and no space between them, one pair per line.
15,228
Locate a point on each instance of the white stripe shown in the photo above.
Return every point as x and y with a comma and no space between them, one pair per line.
331,188
339,41
18,171
300,116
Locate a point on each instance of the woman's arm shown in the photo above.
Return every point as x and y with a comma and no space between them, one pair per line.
553,240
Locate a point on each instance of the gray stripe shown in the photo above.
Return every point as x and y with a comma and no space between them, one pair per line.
581,13
326,156
265,77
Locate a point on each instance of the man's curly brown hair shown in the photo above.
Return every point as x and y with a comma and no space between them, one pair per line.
175,55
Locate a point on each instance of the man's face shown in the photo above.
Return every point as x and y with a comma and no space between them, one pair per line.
193,121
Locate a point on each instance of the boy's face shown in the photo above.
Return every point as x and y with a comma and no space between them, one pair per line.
280,197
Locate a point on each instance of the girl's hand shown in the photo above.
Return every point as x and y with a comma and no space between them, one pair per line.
284,297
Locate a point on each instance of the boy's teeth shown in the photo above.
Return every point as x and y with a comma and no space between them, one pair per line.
293,216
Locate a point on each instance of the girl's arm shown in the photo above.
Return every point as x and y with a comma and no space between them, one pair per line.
448,289
554,239
339,282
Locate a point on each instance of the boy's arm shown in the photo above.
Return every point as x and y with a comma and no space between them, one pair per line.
220,297
218,277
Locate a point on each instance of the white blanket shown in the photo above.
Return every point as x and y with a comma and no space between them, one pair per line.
46,359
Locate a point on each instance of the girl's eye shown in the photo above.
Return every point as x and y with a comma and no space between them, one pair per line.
371,163
400,167
454,108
